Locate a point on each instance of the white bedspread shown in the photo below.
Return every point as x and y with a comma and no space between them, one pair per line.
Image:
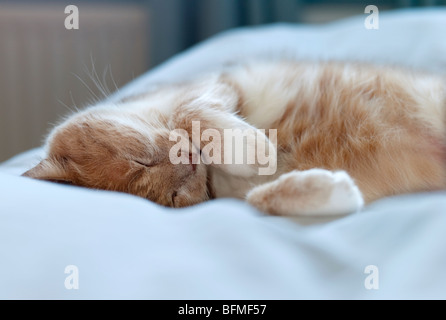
127,247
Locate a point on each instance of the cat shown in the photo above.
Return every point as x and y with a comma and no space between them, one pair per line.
347,134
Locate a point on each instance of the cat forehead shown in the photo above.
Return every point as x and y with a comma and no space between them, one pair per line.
119,131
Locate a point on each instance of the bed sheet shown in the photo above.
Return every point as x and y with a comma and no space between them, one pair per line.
127,247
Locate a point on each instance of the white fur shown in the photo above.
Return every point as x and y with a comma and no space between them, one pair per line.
309,193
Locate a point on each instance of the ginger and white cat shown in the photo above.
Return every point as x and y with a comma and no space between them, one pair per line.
346,133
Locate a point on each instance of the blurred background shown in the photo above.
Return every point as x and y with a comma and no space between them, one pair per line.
47,70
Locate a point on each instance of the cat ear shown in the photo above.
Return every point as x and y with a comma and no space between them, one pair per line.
48,170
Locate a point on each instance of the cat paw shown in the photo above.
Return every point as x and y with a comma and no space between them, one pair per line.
314,192
345,196
251,153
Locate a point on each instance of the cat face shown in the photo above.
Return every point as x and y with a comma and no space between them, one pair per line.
105,151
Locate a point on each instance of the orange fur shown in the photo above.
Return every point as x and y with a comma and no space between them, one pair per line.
385,127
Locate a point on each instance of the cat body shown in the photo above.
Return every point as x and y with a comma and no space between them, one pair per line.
346,133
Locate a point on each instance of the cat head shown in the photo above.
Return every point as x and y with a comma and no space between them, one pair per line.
104,150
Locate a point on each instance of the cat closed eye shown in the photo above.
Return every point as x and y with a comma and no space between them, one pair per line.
67,182
147,165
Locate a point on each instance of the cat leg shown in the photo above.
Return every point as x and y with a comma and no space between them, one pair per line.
239,148
213,110
308,193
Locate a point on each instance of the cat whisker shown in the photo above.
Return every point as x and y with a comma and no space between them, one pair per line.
73,102
66,106
102,86
88,88
95,80
104,80
113,79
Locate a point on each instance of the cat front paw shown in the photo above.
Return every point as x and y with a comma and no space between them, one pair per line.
246,152
345,197
315,192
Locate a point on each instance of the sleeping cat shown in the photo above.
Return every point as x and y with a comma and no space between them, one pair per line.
346,134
